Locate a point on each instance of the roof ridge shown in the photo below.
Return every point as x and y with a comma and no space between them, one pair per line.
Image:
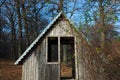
37,39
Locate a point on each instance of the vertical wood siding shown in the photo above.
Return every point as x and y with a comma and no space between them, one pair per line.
30,68
62,28
35,66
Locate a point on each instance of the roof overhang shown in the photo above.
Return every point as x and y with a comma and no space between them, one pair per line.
21,58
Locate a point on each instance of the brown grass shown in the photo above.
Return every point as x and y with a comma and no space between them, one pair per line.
9,71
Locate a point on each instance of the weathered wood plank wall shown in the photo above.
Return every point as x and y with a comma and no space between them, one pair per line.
36,66
30,68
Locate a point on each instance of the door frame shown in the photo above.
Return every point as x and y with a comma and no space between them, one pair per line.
60,55
59,68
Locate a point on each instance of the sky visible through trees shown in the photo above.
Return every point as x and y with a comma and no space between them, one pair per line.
21,21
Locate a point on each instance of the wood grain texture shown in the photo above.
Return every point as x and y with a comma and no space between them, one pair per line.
35,66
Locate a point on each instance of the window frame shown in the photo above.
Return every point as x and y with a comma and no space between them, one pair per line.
74,45
58,36
47,51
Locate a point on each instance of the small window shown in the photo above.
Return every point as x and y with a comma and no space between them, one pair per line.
52,49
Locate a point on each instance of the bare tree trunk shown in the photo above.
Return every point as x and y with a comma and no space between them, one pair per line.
25,23
0,29
0,33
102,17
2,3
13,45
19,28
13,34
60,6
36,21
102,43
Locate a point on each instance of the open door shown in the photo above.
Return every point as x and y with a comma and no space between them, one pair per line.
67,58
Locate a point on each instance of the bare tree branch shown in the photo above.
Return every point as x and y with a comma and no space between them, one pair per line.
2,3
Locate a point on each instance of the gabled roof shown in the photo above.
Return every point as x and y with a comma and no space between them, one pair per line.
39,37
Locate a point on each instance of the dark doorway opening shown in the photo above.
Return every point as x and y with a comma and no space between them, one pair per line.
67,58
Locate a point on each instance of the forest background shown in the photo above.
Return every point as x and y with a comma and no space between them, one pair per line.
21,21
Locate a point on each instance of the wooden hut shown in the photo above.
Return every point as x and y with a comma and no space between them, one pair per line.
55,54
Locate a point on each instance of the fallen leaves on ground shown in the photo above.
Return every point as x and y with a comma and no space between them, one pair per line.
9,71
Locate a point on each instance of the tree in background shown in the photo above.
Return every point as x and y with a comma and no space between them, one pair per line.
2,2
69,7
24,21
98,25
11,23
